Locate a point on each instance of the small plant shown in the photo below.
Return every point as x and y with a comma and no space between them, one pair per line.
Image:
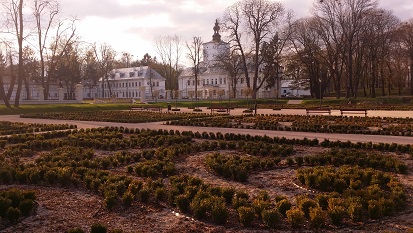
317,217
271,218
283,206
75,230
98,228
295,217
219,212
246,215
13,215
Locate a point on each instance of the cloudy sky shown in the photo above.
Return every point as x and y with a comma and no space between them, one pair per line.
132,25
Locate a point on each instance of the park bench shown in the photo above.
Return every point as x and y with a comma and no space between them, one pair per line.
146,108
318,110
220,109
385,107
354,111
136,108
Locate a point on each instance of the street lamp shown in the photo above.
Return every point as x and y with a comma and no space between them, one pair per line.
321,94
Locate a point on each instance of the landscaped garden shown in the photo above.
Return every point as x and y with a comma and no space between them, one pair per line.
159,180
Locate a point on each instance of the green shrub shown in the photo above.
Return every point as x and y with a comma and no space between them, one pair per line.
271,217
144,195
317,217
295,217
228,194
111,198
219,212
355,211
127,198
336,214
238,202
98,228
5,204
26,207
182,202
75,230
305,204
13,215
283,206
375,209
246,215
322,201
160,194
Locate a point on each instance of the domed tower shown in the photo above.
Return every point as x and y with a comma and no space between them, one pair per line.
216,37
215,47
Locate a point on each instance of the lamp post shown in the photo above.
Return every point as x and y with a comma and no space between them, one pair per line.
321,94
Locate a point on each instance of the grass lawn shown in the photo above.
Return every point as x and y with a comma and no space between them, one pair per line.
42,108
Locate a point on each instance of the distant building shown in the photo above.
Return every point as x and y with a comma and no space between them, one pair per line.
295,88
135,82
213,82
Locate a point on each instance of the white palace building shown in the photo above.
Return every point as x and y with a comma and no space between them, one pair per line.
132,83
212,81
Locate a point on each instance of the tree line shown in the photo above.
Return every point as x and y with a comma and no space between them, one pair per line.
37,46
347,47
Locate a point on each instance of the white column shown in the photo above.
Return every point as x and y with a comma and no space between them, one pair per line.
79,92
41,93
142,92
168,94
60,93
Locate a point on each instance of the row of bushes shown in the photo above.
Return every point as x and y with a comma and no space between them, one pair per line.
314,123
115,116
9,128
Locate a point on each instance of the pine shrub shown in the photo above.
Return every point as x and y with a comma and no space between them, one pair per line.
295,217
271,217
246,215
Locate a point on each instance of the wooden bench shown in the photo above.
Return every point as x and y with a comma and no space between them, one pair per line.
385,107
154,108
220,109
318,110
146,108
354,111
136,108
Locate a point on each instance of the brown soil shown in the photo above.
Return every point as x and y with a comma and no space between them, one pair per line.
60,209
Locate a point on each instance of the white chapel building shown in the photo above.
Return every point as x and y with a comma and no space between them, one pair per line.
213,82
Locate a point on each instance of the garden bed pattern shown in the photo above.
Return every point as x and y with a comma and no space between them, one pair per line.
148,171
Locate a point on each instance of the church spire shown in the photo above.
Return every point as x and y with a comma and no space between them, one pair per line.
216,37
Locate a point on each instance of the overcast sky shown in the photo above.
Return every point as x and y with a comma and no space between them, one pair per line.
132,25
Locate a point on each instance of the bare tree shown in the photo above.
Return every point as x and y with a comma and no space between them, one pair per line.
194,54
169,49
15,10
105,56
3,65
260,19
406,37
65,37
30,69
231,63
126,59
45,12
